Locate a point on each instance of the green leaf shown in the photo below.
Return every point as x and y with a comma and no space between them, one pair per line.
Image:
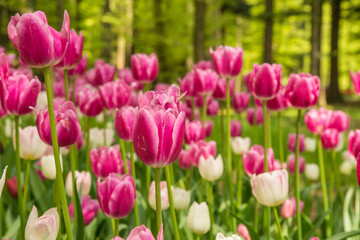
251,231
80,225
40,193
344,235
317,225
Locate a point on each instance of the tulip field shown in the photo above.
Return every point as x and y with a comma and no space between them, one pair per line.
90,151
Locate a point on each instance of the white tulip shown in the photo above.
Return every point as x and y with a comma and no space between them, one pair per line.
45,227
240,145
198,219
346,167
41,102
83,183
97,137
2,180
221,236
310,144
312,171
211,169
348,157
181,198
48,167
31,146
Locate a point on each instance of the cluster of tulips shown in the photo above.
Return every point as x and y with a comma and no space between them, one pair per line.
77,111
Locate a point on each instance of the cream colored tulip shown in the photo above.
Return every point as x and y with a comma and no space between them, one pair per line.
240,145
198,219
211,169
221,236
31,146
45,227
312,171
83,182
48,167
181,198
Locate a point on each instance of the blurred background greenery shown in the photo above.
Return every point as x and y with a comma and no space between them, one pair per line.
317,36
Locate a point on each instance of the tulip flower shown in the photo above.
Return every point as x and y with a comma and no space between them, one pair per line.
194,131
227,60
254,116
186,159
209,125
101,74
163,193
115,94
265,82
314,238
355,78
292,142
97,137
11,186
124,122
198,219
302,90
221,236
202,148
339,120
44,227
67,124
212,108
116,195
310,144
39,45
220,89
242,230
317,120
89,101
279,102
126,76
211,169
143,233
241,101
90,209
240,145
2,181
253,160
48,168
235,128
354,142
291,163
205,81
158,136
270,188
330,138
106,160
203,65
181,198
32,147
187,85
80,67
83,183
73,54
346,168
288,209
144,68
312,171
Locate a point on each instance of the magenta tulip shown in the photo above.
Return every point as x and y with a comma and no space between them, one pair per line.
253,160
126,76
354,142
220,89
265,81
209,125
186,159
205,81
67,124
202,148
339,120
203,65
227,60
143,233
80,67
302,90
213,107
291,163
330,138
288,209
116,195
194,131
254,116
90,209
101,74
279,102
124,122
73,54
317,120
39,45
89,101
115,94
144,68
241,101
187,85
292,142
355,78
106,160
235,128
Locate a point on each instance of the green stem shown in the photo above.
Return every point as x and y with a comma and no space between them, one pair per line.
278,223
203,117
256,215
123,153
280,138
104,126
115,226
266,168
336,176
297,177
58,207
201,199
59,176
171,202
26,183
18,176
158,199
87,143
323,186
222,128
133,174
211,209
239,181
66,82
189,175
197,237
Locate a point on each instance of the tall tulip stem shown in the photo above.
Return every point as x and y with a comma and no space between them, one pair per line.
123,153
59,176
133,174
158,199
87,142
280,138
18,176
211,208
26,183
171,202
204,109
278,223
267,216
336,176
239,180
66,83
297,177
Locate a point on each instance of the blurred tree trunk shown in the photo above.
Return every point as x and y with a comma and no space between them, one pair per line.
78,15
107,35
199,30
334,94
160,30
316,21
125,33
60,12
268,31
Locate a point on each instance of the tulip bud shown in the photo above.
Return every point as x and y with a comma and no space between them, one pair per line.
253,160
241,101
74,52
11,186
106,160
101,74
143,233
254,116
310,144
194,131
144,68
97,137
242,230
80,67
221,236
48,168
124,122
209,125
116,195
317,120
279,102
211,169
291,163
270,188
90,209
220,89
181,198
330,138
292,142
288,209
354,142
83,183
205,81
227,60
339,120
115,94
312,171
240,145
44,227
186,159
202,148
187,85
198,219
203,65
212,108
2,181
89,101
235,128
163,193
31,146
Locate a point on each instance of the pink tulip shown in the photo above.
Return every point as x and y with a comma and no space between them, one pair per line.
317,120
90,209
339,120
144,68
242,231
124,121
11,186
235,128
252,119
209,125
39,45
354,142
292,142
314,238
161,87
133,99
44,227
330,138
220,89
116,195
355,78
73,54
117,238
202,148
126,76
143,233
279,102
265,80
89,101
194,131
115,94
186,158
158,135
253,160
187,85
288,209
205,81
106,160
203,65
101,74
227,60
291,163
241,101
67,124
80,67
213,107
302,90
